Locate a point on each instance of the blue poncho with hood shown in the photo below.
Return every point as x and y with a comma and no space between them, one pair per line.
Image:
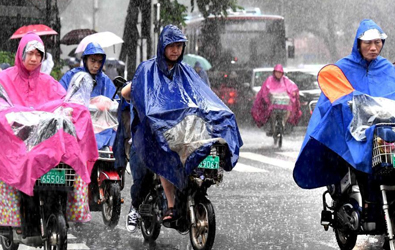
179,116
104,86
329,148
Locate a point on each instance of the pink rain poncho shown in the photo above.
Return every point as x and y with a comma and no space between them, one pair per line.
263,104
31,94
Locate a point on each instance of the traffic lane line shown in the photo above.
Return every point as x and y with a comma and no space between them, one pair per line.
240,167
267,160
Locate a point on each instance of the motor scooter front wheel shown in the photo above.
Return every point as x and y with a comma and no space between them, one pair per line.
8,244
202,234
150,218
346,240
56,232
111,207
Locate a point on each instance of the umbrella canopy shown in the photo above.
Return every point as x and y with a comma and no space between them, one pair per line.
39,29
105,39
75,36
191,59
114,62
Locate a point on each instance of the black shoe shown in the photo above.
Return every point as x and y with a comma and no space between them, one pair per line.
269,133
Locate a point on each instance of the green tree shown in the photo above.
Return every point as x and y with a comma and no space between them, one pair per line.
171,12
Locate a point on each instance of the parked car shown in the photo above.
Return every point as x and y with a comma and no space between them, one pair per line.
305,79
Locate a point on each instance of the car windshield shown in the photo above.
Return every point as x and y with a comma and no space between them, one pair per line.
261,76
304,80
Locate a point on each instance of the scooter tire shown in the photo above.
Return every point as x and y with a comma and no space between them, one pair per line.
57,232
8,244
150,225
202,234
346,241
111,208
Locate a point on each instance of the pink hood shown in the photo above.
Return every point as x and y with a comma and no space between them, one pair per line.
279,68
29,88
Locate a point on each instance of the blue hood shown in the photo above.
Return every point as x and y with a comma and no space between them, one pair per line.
179,116
365,25
93,48
170,34
329,148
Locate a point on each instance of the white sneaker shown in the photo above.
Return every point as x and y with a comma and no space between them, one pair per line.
132,220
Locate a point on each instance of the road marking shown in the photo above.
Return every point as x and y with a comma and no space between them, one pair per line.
293,155
268,160
76,246
240,167
70,246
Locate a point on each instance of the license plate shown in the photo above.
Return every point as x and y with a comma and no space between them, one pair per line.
211,162
54,176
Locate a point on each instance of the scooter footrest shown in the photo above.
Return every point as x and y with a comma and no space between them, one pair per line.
170,224
326,217
145,210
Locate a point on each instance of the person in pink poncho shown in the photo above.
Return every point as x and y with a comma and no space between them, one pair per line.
39,129
276,86
24,83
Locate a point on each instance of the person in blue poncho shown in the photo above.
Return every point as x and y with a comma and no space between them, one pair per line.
93,59
329,148
165,94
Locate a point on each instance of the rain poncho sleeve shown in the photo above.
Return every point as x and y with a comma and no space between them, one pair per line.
39,129
179,116
287,93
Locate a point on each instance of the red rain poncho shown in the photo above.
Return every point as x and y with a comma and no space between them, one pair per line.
30,93
263,106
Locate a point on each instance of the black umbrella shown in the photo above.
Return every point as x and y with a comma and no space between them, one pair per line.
75,36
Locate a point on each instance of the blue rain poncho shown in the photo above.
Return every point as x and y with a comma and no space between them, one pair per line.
329,147
103,86
179,116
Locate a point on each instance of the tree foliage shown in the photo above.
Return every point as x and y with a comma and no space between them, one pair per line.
171,12
215,7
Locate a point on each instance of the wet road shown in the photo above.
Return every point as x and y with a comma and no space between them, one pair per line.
258,206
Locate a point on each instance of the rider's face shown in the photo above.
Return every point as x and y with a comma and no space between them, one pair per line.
278,74
93,63
32,60
173,51
370,50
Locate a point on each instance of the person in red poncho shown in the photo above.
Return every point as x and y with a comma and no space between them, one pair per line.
276,86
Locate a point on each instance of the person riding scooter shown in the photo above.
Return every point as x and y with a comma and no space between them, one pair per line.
277,87
329,149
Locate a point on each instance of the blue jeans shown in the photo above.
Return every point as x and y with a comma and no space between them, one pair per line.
142,179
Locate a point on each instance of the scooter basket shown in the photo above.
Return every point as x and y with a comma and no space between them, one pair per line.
280,98
383,154
61,177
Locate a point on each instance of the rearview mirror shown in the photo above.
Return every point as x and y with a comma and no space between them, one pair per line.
119,81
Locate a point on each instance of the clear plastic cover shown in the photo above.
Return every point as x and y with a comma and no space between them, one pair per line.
4,99
80,88
103,113
33,127
188,135
367,111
